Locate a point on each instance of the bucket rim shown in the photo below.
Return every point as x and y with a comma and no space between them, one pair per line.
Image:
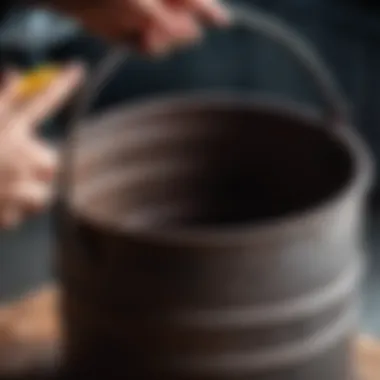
359,182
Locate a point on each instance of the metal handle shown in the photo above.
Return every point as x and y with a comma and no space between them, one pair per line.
335,105
335,108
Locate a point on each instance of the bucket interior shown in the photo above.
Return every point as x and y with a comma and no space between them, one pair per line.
206,165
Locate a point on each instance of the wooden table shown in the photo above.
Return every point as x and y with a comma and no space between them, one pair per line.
30,334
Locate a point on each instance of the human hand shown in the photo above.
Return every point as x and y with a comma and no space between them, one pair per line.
154,26
28,164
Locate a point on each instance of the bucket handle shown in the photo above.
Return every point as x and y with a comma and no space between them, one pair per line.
335,106
250,18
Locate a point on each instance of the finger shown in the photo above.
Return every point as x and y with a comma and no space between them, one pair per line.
32,196
157,41
15,126
157,13
210,10
45,162
14,160
9,91
50,100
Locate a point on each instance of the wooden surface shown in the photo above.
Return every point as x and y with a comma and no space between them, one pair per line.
30,335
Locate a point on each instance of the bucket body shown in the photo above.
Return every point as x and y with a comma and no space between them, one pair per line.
213,238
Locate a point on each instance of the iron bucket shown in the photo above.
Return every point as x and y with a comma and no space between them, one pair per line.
214,236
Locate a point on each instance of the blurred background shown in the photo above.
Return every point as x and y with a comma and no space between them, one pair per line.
345,32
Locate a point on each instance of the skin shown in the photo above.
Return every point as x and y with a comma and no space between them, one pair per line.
154,26
27,164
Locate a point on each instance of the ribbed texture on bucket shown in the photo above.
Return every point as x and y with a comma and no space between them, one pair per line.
213,240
